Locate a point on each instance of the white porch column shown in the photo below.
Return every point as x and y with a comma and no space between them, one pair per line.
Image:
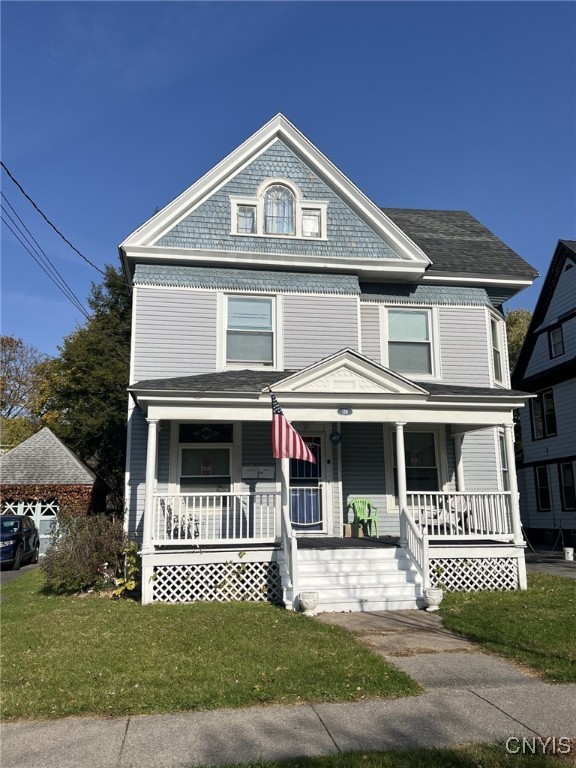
285,488
514,504
401,472
151,451
459,464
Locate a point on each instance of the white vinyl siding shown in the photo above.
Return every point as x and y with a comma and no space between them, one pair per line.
174,333
316,327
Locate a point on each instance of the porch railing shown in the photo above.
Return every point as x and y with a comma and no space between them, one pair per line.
461,515
199,518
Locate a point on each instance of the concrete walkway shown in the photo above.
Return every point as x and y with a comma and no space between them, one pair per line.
469,696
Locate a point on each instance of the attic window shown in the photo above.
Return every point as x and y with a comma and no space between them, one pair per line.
278,210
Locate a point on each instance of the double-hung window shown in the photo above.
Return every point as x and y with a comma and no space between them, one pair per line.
409,341
421,462
556,342
250,330
504,464
567,485
542,488
496,350
543,415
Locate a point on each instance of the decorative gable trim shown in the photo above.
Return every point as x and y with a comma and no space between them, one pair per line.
348,372
279,128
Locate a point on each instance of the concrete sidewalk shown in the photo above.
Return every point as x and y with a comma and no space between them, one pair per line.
470,697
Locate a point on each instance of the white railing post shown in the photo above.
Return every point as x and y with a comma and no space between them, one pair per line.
151,451
401,472
514,503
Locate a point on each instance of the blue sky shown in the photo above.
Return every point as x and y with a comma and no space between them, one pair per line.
111,109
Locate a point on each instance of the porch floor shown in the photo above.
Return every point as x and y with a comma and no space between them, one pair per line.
335,542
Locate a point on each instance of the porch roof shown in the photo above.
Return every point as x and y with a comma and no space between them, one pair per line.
250,381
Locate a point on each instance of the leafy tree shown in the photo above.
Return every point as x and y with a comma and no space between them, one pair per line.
517,322
18,379
81,395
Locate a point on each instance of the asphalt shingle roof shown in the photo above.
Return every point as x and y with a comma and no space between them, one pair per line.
456,242
255,381
43,459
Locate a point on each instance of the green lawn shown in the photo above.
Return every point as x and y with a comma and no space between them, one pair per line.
470,756
535,627
77,656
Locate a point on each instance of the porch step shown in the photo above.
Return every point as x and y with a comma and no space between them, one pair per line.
363,579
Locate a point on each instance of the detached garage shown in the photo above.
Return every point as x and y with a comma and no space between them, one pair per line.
43,478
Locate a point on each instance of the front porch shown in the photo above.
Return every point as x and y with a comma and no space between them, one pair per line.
242,547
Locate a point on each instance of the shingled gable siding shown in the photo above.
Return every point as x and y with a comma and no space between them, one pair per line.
175,332
464,346
318,326
209,226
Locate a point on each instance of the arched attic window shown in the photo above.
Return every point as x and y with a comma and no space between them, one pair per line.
279,218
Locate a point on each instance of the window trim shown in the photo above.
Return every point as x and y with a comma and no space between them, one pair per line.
497,324
433,332
222,338
551,342
537,488
565,507
539,401
439,432
300,205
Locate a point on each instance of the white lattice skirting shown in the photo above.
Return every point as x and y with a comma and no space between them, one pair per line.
474,574
221,582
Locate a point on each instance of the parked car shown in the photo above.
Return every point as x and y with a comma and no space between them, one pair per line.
20,541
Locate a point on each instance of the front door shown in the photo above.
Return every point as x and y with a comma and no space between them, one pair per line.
306,490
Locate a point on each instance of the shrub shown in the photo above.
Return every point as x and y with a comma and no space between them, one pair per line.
85,553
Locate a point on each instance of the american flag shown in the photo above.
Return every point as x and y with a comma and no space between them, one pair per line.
286,442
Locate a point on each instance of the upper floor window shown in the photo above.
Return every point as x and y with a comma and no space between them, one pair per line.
556,342
496,350
279,211
543,415
250,330
409,341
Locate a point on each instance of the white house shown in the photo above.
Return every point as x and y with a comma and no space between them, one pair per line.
380,331
547,367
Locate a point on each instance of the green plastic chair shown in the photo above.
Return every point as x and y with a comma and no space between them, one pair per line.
365,513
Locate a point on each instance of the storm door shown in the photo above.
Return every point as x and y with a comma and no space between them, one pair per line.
307,513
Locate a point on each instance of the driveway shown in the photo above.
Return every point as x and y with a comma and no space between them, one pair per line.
7,575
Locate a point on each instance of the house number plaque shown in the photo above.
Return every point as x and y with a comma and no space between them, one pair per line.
345,411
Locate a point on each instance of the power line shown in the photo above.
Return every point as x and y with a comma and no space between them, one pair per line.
54,227
18,235
62,284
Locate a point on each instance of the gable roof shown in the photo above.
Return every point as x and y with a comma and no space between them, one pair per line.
43,459
144,239
565,250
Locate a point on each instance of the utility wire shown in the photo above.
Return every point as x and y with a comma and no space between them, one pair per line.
78,306
63,285
54,227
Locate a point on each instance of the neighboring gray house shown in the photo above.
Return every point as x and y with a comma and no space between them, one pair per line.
43,478
547,367
381,333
